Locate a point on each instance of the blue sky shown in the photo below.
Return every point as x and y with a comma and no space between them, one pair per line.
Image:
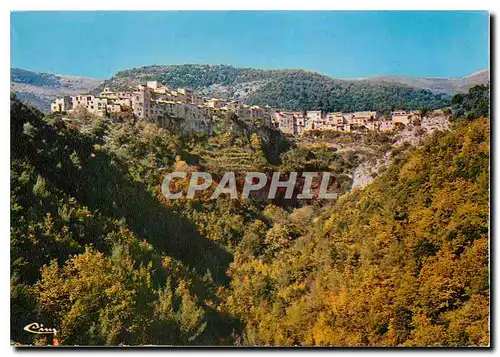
336,43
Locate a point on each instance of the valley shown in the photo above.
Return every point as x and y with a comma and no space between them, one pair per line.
100,254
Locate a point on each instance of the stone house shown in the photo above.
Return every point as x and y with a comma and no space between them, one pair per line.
402,117
61,105
386,125
286,122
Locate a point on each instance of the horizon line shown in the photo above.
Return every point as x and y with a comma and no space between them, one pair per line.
256,68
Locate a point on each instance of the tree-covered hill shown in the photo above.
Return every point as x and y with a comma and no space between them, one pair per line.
473,104
286,89
95,251
403,262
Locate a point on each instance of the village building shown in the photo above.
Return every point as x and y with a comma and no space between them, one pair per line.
180,108
141,102
401,117
93,104
302,122
61,105
386,125
286,122
372,125
366,115
315,115
216,103
335,118
183,109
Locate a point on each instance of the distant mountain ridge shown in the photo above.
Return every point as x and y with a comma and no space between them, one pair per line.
286,89
438,85
40,89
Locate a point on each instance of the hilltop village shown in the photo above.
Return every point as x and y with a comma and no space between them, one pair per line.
187,111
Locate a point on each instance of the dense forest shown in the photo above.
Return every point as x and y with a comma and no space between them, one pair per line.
284,89
98,253
474,104
402,263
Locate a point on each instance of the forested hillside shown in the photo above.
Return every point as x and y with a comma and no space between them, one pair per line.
94,250
98,253
402,263
473,104
285,89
